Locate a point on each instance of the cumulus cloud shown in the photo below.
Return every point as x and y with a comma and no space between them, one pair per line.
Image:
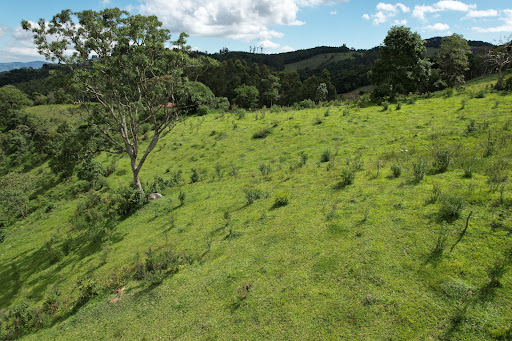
437,27
232,19
441,6
506,27
386,12
482,14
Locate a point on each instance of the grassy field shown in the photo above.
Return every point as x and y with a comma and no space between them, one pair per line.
341,223
319,60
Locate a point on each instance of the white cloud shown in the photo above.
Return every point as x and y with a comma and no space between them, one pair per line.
506,27
333,13
104,3
4,30
400,22
482,14
437,27
441,6
386,12
233,19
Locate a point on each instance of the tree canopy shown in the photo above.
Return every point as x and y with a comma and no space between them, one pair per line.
453,59
402,67
120,62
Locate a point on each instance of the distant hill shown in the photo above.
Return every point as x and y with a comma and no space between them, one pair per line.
18,65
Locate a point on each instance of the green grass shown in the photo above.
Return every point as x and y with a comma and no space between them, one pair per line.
319,61
357,262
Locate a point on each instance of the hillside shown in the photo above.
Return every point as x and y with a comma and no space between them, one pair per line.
18,65
342,222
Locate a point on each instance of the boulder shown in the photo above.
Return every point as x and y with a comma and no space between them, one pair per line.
154,196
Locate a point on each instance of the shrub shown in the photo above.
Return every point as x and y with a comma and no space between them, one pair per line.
129,200
89,170
442,159
307,104
265,169
450,206
419,169
385,105
252,194
480,94
182,197
326,156
396,171
194,177
262,133
471,128
347,178
398,105
281,199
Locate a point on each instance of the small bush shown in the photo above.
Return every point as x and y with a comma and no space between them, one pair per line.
411,100
480,94
307,104
262,133
129,200
182,197
442,159
450,206
194,177
89,170
398,105
252,194
326,156
463,103
419,169
281,199
347,178
317,120
396,171
471,128
385,105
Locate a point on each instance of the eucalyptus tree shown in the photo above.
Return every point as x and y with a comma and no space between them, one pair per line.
123,72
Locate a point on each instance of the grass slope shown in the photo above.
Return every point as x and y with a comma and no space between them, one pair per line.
353,262
320,60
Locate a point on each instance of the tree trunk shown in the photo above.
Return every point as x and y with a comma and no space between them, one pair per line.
135,172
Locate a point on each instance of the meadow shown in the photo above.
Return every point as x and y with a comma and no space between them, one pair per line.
347,221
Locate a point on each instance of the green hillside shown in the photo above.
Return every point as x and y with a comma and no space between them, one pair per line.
342,222
320,61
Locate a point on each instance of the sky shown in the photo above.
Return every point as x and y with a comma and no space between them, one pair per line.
275,25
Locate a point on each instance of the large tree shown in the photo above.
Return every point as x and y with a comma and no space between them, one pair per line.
402,67
453,59
120,62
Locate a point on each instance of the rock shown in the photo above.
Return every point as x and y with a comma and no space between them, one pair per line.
154,196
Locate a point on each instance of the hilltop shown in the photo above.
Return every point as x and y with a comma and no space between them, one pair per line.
350,221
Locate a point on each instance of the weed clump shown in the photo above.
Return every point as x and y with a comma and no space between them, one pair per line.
282,199
347,178
450,206
262,133
252,194
396,171
419,168
326,156
442,159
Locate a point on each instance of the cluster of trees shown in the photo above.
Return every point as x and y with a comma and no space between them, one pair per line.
251,86
403,68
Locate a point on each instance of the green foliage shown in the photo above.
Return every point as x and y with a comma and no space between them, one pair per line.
194,98
453,59
401,66
450,206
442,159
281,199
347,178
90,170
12,99
326,156
307,104
396,171
128,200
247,96
261,133
194,177
419,167
181,197
252,194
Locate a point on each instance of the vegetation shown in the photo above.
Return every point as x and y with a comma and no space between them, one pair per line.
271,223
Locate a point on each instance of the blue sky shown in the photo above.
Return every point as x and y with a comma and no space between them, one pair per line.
277,25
